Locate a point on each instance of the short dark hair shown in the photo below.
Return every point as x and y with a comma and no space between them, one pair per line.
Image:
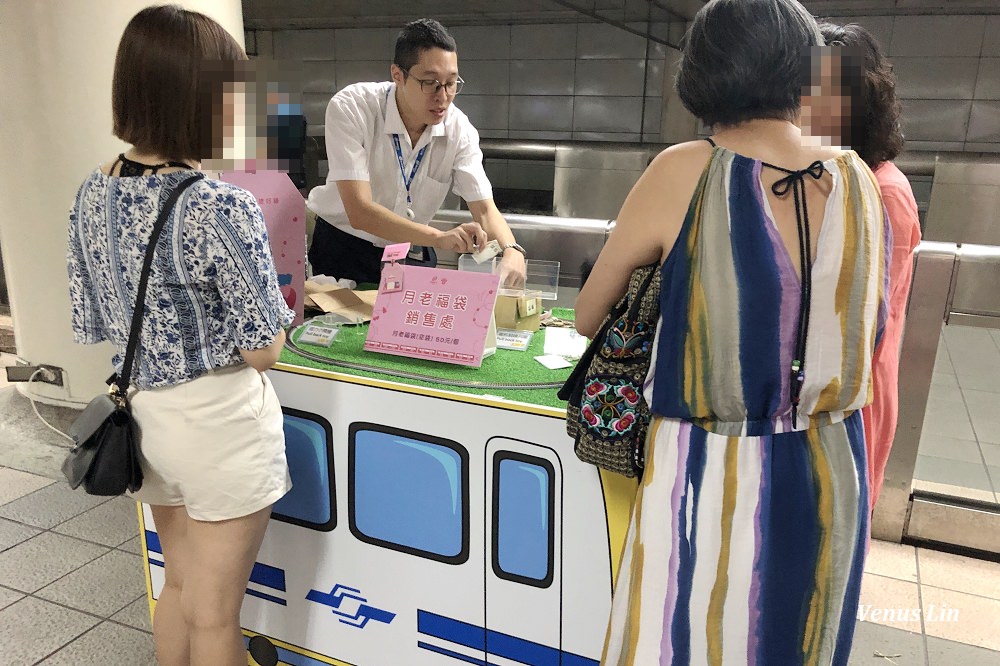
876,135
746,60
418,36
168,72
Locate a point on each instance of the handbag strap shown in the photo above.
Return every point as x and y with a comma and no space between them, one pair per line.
140,300
571,390
640,294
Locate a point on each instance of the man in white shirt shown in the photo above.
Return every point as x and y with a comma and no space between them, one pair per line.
394,149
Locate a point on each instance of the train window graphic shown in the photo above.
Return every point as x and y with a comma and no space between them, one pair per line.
309,449
409,492
523,507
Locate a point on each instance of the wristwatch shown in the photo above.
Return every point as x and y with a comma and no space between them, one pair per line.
516,247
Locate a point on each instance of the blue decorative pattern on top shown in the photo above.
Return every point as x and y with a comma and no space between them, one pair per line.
213,288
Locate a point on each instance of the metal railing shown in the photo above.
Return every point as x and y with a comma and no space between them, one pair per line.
945,291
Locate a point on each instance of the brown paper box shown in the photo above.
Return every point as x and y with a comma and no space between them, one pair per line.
353,305
519,313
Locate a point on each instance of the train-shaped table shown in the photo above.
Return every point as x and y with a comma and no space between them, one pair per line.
428,525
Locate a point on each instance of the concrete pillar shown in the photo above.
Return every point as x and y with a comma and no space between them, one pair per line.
56,65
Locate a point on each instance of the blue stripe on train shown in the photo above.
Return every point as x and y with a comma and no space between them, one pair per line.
500,644
268,576
454,655
262,574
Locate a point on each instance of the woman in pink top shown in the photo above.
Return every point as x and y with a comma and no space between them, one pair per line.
873,132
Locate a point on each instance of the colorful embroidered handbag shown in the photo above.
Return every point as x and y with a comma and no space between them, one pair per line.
606,413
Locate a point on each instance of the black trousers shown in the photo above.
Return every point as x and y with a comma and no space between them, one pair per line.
344,256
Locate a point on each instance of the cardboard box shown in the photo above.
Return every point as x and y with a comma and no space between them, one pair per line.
353,306
520,313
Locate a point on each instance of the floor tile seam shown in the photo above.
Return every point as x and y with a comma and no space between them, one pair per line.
972,424
90,561
101,503
971,594
27,494
20,543
51,530
127,625
882,575
63,604
67,644
996,342
129,552
920,602
70,536
96,543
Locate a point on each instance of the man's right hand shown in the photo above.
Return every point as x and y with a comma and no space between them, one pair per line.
462,239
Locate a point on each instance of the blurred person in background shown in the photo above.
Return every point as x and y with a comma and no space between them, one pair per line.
212,444
865,118
750,525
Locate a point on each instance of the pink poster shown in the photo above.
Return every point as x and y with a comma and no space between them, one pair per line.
285,216
434,313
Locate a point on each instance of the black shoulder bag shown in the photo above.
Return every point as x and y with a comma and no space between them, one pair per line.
105,458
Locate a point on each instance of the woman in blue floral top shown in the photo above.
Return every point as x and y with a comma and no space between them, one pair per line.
212,442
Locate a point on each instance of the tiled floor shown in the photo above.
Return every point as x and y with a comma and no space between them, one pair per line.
72,588
960,446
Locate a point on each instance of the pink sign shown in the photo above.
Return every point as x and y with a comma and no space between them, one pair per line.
285,217
436,313
395,252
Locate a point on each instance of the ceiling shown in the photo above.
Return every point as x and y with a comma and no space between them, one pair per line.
263,14
628,14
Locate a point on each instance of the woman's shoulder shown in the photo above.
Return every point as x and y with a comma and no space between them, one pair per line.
213,187
226,208
681,162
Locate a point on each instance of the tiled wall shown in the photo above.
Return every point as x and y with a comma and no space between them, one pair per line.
591,81
587,81
948,69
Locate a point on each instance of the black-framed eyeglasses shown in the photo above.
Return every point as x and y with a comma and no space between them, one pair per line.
432,86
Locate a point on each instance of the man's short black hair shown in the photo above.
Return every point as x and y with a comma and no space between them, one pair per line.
746,60
417,37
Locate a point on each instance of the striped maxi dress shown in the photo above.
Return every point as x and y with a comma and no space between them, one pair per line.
749,532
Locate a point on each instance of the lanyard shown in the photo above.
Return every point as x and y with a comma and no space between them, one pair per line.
402,166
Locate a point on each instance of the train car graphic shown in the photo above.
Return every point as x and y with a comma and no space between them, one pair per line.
427,527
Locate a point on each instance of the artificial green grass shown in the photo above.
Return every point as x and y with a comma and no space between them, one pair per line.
504,366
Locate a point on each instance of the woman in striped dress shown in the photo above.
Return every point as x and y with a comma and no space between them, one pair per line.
750,525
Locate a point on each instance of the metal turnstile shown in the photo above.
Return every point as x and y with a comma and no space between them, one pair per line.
952,284
956,281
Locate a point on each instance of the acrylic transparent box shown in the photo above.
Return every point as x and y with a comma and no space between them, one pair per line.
542,277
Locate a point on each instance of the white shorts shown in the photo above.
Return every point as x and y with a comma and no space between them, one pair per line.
214,445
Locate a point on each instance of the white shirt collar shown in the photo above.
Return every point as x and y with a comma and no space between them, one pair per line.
394,121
